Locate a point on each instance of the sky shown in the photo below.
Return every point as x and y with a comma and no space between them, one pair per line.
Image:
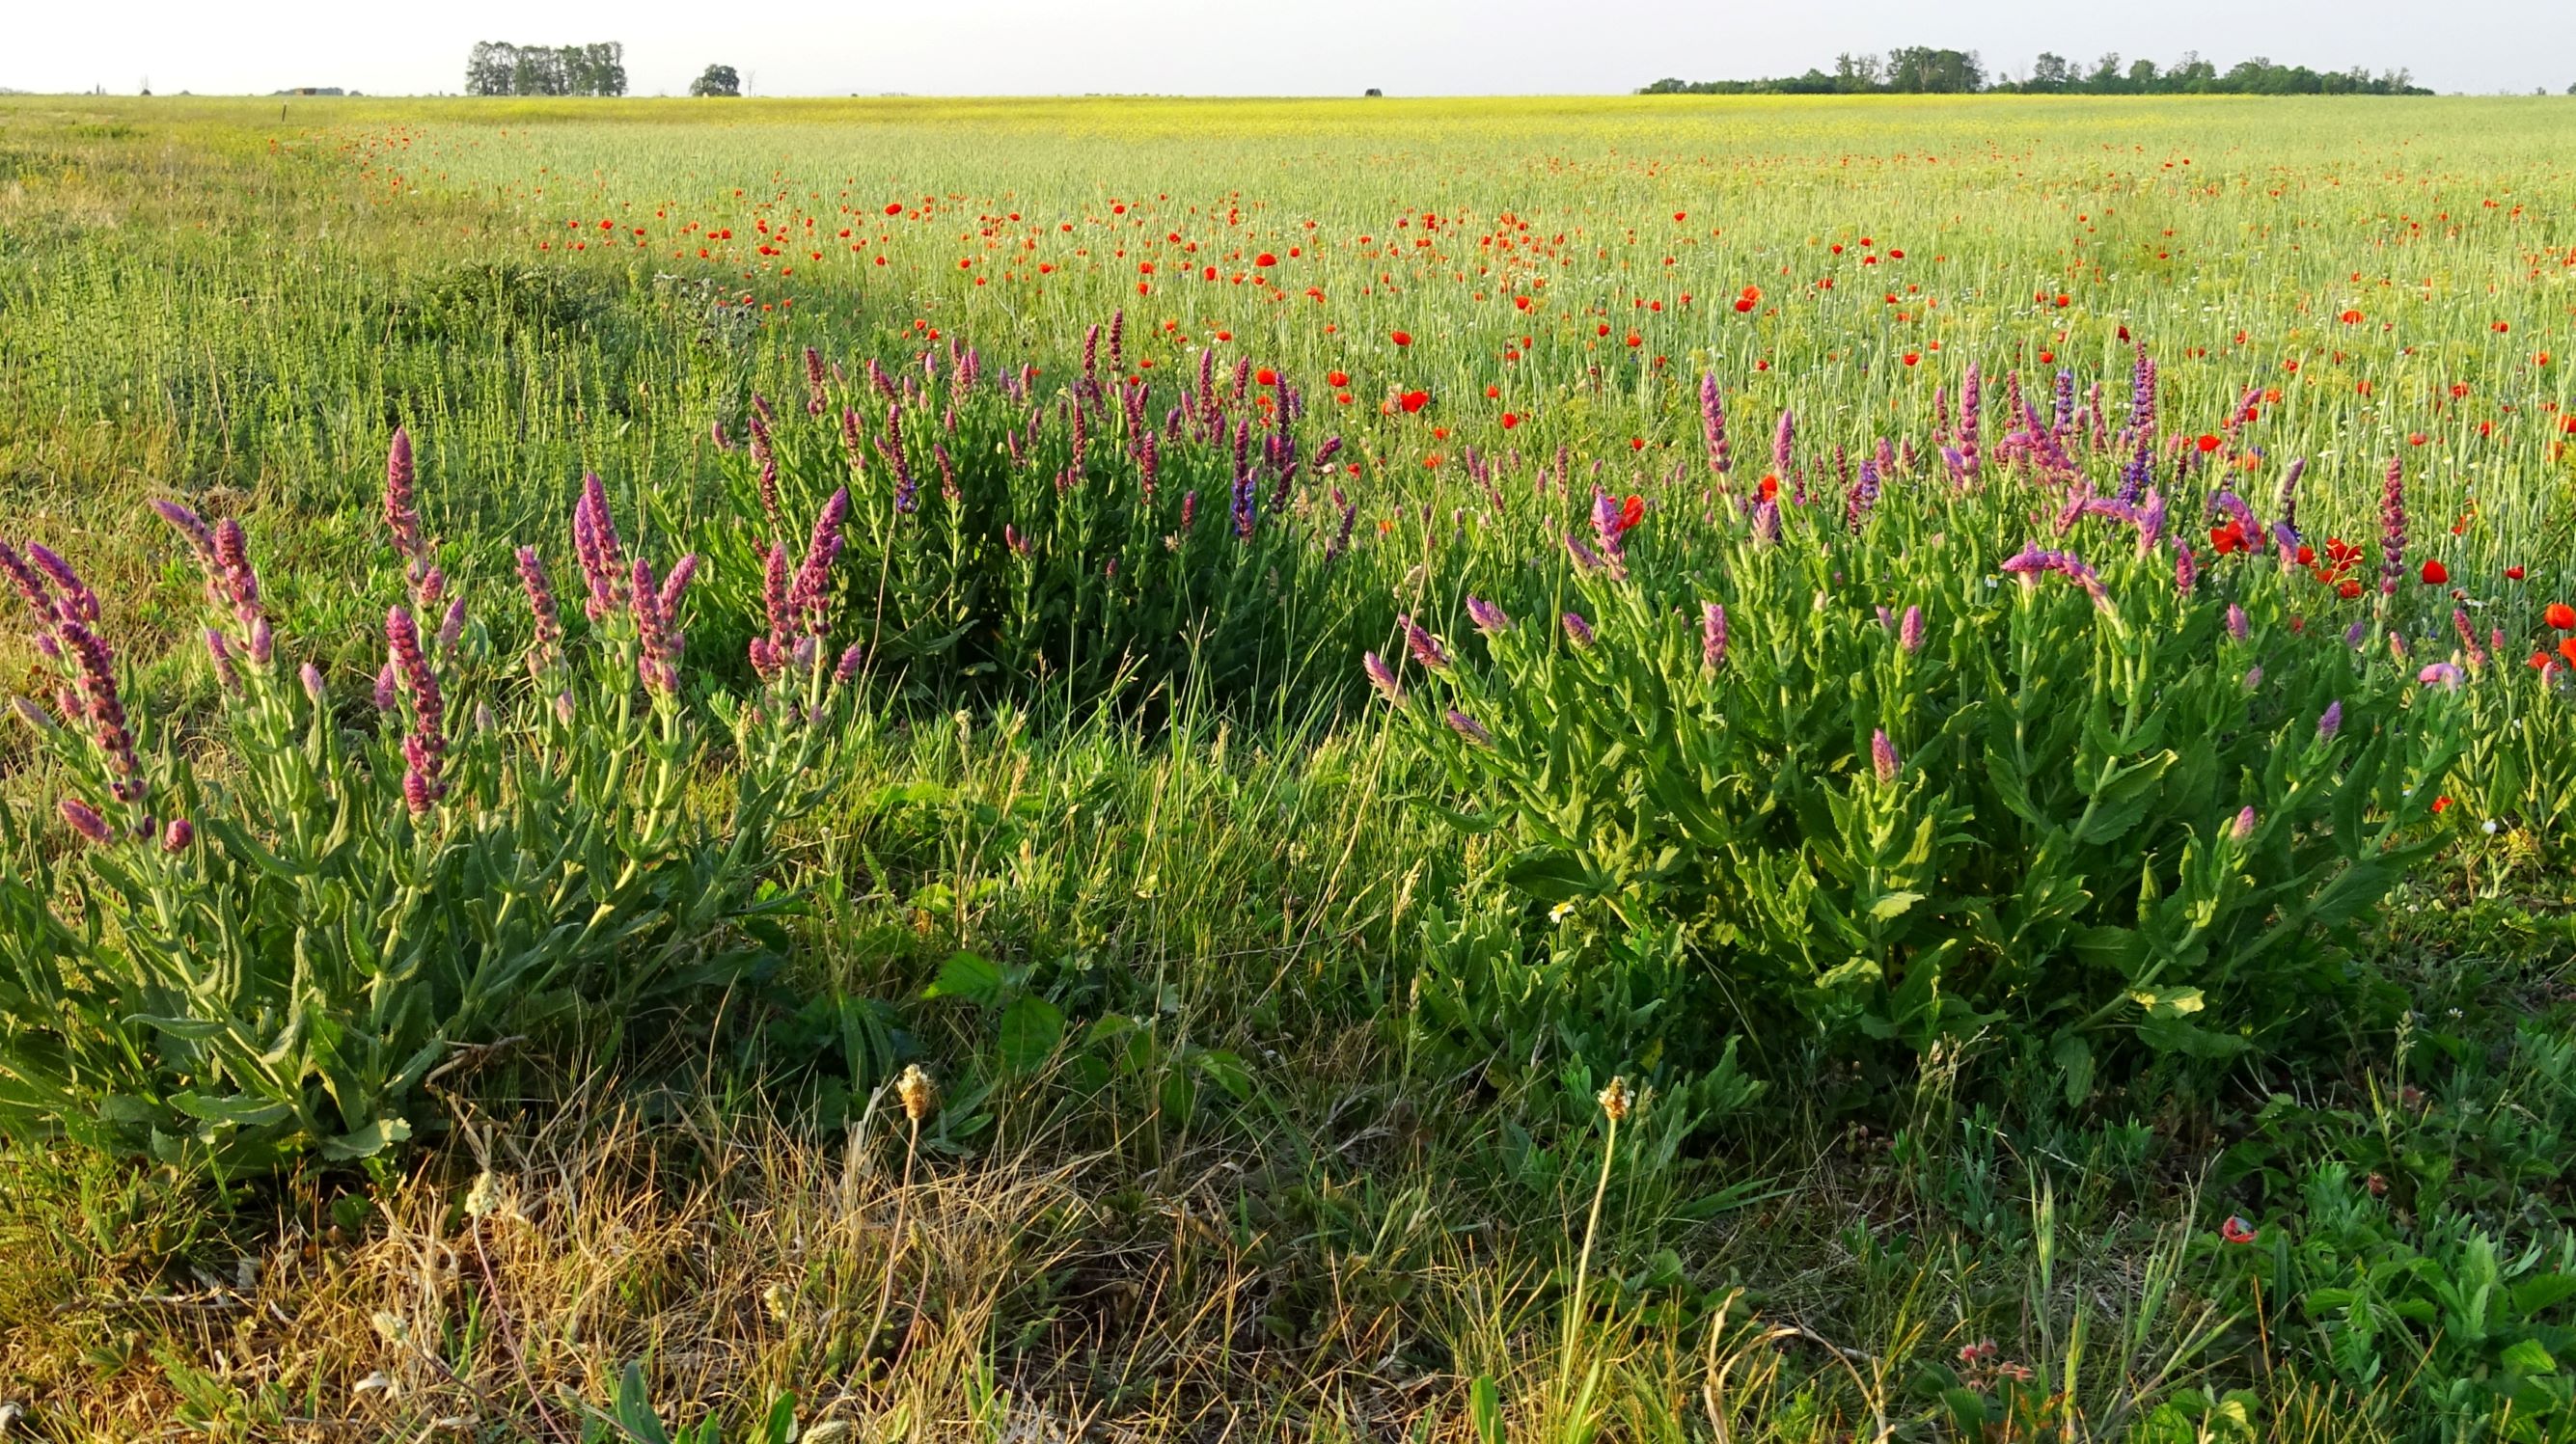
1303,47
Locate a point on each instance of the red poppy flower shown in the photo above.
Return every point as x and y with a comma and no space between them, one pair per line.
2561,616
2441,805
1743,303
1511,419
1265,259
2229,538
2237,1230
2209,443
2352,318
2349,591
1266,376
2567,649
1771,487
2435,574
1337,378
1413,401
1400,338
1632,512
2513,574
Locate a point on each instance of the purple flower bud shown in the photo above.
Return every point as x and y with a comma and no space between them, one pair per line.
1585,558
385,689
2186,569
853,657
201,538
2330,723
2445,675
2253,678
1489,619
1909,633
1712,636
2354,635
1469,728
1578,630
1712,420
220,651
1382,677
311,676
84,819
1882,756
2236,624
2243,827
451,628
1426,649
178,835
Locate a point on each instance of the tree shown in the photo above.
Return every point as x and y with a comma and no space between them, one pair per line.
718,80
490,67
1923,70
1855,72
497,67
2051,72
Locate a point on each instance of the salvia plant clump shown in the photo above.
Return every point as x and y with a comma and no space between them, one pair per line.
243,967
1857,781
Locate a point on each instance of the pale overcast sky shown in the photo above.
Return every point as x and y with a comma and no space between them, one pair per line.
1283,47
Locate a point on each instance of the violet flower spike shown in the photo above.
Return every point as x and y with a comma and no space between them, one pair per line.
1491,620
1578,630
84,819
1882,757
1382,677
548,638
1469,728
1712,637
2331,722
1426,649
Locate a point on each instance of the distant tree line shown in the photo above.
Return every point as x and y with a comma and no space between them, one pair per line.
497,67
1926,70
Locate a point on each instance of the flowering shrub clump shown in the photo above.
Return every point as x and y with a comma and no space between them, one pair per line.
1005,527
1896,788
247,969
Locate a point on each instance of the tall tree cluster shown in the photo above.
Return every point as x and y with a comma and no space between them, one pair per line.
1927,70
497,67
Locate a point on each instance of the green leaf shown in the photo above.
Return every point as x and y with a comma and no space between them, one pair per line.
2169,1002
366,1142
2543,1291
2119,950
971,976
1894,905
1226,1071
634,1407
2075,1059
1485,1409
1032,1027
240,1110
2526,1356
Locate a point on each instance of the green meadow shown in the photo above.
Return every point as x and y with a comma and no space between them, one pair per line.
1651,768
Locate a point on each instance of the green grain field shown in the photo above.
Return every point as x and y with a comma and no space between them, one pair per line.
1658,768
